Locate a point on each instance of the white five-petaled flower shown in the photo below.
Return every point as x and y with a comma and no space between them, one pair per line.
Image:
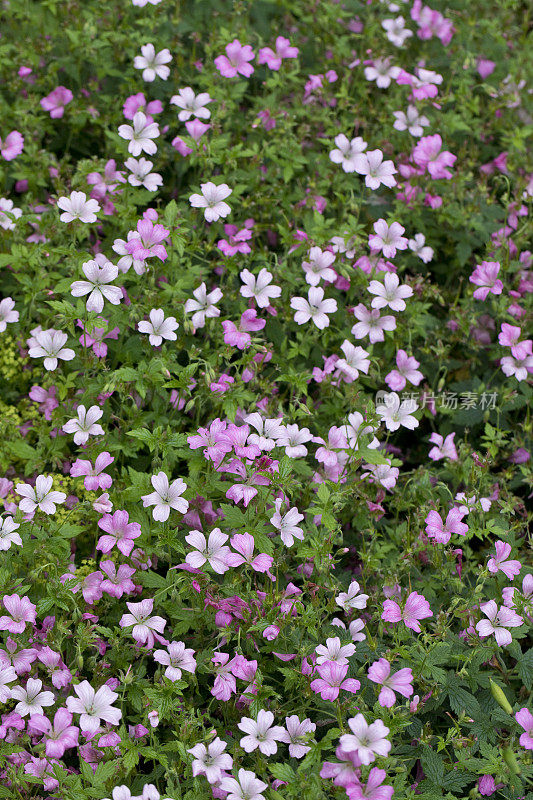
211,761
49,344
246,787
175,659
298,734
387,238
8,313
203,305
165,497
352,598
395,413
367,741
78,207
8,533
94,706
7,675
389,293
260,733
85,424
355,360
349,153
153,63
314,308
212,200
318,267
212,550
334,651
6,207
140,135
412,121
420,248
287,524
259,287
371,324
191,104
41,496
159,327
141,174
377,171
31,699
396,31
497,622
145,626
99,274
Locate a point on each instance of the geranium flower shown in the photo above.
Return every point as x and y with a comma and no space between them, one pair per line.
259,287
211,761
499,562
273,59
145,627
176,658
212,200
420,249
59,736
141,135
152,63
31,700
235,62
76,206
213,550
85,424
485,276
20,610
142,175
368,741
319,266
351,599
441,531
165,497
411,121
261,733
94,706
444,447
314,308
349,153
524,717
401,682
8,533
191,104
416,607
95,477
246,787
497,622
56,101
40,496
119,532
49,344
371,324
12,146
287,524
377,171
7,207
395,413
159,327
388,239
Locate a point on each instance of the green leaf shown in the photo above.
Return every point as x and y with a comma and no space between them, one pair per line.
524,667
433,766
282,772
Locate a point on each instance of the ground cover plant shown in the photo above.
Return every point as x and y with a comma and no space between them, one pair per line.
265,462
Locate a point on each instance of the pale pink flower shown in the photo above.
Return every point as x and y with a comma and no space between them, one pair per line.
99,274
390,292
388,238
212,200
76,206
396,31
41,496
244,544
518,367
298,734
12,146
355,360
140,135
420,249
401,682
287,524
382,72
165,497
236,61
273,59
20,610
246,787
145,627
31,700
213,550
159,327
294,439
6,207
368,741
335,651
95,477
499,563
85,424
373,789
315,308
349,153
441,531
319,266
56,101
524,717
352,598
412,121
261,733
267,433
7,675
142,175
176,658
8,313
395,413
259,288
211,761
191,104
444,447
497,622
332,679
371,324
416,607
377,171
8,533
152,63
407,371
485,276
94,706
203,305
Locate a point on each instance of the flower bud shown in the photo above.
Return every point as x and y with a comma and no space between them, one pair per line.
510,759
499,695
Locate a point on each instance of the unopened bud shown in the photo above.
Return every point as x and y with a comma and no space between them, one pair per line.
499,695
510,759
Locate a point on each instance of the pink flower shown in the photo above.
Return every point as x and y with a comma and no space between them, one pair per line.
240,337
117,581
211,761
373,789
416,607
175,659
56,101
12,146
214,439
524,717
236,60
244,544
148,241
499,564
260,733
445,447
332,680
137,102
499,619
485,276
46,399
351,599
213,550
387,238
59,736
298,734
119,532
95,478
367,741
401,682
237,242
145,627
19,611
427,154
191,104
441,531
94,706
371,324
273,59
407,371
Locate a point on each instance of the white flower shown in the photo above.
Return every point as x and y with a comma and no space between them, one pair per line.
384,474
78,207
141,175
366,740
412,121
7,675
94,706
41,497
8,313
141,4
140,135
381,72
261,733
334,651
397,33
315,308
6,207
85,424
259,287
210,761
268,431
50,345
204,305
152,63
159,327
420,249
348,152
298,734
212,199
389,293
319,266
31,699
355,360
99,274
356,428
395,413
371,324
191,104
165,497
8,534
247,787
213,550
377,171
352,598
287,524
293,439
